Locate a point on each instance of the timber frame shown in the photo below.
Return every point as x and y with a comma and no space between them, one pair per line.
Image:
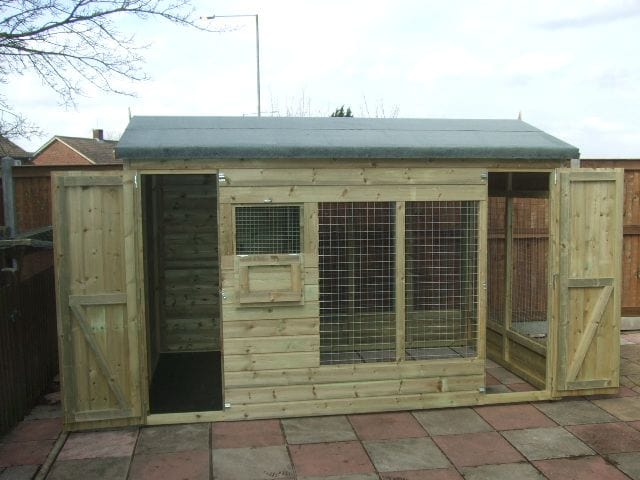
270,335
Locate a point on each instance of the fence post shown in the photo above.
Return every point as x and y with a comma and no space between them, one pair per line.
9,197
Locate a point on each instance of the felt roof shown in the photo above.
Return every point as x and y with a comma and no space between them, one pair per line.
150,137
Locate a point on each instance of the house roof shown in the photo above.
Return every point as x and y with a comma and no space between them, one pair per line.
10,149
287,137
95,151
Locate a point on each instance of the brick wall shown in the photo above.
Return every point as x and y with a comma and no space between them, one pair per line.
58,153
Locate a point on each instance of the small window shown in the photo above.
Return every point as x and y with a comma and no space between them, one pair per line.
268,229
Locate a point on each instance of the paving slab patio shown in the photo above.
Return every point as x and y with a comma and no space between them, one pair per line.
574,412
324,459
440,474
626,409
582,468
22,472
108,443
473,449
177,465
255,463
546,443
173,438
110,468
318,429
587,438
514,417
608,437
629,463
451,421
508,471
405,454
254,433
386,426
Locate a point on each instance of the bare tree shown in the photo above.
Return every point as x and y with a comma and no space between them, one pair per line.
70,44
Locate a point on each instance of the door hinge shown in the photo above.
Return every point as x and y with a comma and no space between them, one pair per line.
135,180
555,177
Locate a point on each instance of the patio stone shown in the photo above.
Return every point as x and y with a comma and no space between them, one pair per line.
584,468
171,466
24,453
255,463
545,443
325,459
514,417
405,454
173,438
115,443
114,468
500,388
356,476
629,368
522,387
626,409
574,412
45,429
22,472
473,449
608,437
318,429
254,433
629,463
503,375
490,379
438,474
451,421
488,363
385,426
507,471
40,412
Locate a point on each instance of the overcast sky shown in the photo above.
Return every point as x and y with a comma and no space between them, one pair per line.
572,67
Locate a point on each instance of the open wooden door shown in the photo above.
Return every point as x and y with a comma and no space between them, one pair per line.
98,327
587,262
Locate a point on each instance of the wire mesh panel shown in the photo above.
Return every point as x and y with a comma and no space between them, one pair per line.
357,282
267,230
530,256
495,266
441,264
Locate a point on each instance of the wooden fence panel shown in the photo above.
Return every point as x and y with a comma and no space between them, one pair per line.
631,231
33,193
28,344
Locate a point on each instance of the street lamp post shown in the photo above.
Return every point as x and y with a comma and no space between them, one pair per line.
257,48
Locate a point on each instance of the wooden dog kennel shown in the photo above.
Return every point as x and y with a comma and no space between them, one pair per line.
244,268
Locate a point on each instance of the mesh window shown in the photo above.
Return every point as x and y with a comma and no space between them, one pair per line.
267,230
357,282
441,279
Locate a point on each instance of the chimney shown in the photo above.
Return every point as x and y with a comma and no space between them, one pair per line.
98,134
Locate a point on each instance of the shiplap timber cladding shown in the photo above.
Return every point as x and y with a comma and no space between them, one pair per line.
271,353
96,295
589,236
188,228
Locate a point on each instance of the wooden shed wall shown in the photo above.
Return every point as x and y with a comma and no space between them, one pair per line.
271,352
186,239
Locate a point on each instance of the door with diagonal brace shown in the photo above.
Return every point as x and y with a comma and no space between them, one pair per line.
587,229
96,296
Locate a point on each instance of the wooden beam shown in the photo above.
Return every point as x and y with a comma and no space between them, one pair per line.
593,323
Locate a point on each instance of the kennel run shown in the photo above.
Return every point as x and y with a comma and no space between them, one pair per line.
243,268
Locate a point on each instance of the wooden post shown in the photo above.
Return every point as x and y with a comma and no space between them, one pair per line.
8,194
